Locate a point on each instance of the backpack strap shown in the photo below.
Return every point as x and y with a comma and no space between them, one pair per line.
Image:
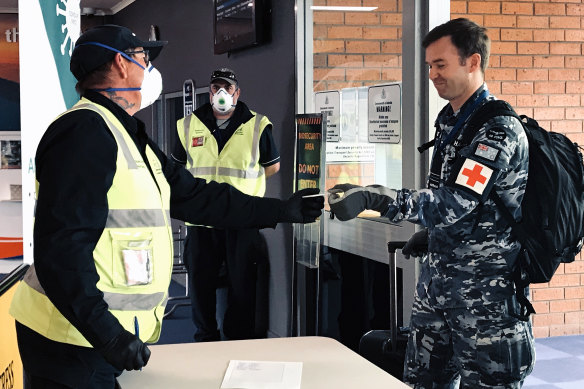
486,112
520,282
431,143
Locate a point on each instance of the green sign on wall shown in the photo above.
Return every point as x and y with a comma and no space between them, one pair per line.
62,23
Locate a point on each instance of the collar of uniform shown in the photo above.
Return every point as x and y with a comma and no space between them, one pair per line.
448,119
130,123
242,114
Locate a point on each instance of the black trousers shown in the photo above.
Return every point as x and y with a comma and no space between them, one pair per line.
241,252
53,365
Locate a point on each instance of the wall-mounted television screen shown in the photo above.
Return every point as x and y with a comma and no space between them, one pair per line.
239,24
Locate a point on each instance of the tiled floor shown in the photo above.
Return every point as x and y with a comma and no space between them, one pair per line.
559,363
559,360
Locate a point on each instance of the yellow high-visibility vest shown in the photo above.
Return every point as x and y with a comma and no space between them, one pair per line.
138,227
237,164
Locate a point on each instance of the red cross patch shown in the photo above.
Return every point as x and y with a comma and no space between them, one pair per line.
198,141
474,175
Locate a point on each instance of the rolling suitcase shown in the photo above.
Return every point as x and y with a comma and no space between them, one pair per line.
387,348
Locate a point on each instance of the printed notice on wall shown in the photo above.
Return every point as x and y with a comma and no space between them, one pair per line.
188,97
384,113
350,152
329,104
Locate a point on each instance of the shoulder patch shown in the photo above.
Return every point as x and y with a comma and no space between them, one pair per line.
474,176
496,134
487,152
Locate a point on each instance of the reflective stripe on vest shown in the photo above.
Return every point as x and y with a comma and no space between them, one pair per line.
116,301
134,218
225,171
119,137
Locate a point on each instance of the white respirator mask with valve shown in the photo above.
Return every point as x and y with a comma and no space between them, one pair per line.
222,101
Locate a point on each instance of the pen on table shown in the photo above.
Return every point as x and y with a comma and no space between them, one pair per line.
137,330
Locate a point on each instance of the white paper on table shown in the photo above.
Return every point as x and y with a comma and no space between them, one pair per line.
262,375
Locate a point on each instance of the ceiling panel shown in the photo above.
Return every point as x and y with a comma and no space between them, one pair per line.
97,7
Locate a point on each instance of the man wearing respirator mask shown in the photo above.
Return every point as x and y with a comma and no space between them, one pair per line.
103,253
224,141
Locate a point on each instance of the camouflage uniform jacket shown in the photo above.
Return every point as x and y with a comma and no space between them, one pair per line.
469,240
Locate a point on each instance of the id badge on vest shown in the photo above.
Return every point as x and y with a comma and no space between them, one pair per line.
137,266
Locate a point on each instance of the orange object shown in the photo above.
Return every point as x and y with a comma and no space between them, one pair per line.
10,363
10,247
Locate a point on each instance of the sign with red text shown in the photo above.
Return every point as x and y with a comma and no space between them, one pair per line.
309,150
309,163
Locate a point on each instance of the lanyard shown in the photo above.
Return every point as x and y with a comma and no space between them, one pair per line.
461,120
436,166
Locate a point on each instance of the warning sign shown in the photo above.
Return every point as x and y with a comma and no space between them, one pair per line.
384,113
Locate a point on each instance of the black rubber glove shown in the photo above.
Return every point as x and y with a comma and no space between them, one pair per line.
417,245
348,200
126,352
299,210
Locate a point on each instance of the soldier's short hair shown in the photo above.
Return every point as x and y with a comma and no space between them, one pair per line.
467,36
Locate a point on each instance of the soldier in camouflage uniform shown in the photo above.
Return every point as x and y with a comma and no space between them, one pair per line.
463,328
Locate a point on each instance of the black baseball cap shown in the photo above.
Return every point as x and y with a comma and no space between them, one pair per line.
90,51
224,74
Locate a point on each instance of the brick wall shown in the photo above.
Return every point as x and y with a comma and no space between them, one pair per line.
537,64
357,48
353,49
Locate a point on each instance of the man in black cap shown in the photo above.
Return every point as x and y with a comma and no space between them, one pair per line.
102,236
224,141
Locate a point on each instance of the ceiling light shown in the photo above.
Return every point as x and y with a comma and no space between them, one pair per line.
344,9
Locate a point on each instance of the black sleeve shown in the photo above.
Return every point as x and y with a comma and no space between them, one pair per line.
179,153
75,165
269,153
213,204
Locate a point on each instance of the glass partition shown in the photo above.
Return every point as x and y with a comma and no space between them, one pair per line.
360,64
356,73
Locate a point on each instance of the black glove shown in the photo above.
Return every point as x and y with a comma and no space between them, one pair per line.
348,200
417,245
299,210
126,351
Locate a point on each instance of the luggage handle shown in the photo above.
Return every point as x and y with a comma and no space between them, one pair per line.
392,246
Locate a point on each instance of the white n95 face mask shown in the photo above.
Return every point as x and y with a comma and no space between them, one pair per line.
151,86
222,101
